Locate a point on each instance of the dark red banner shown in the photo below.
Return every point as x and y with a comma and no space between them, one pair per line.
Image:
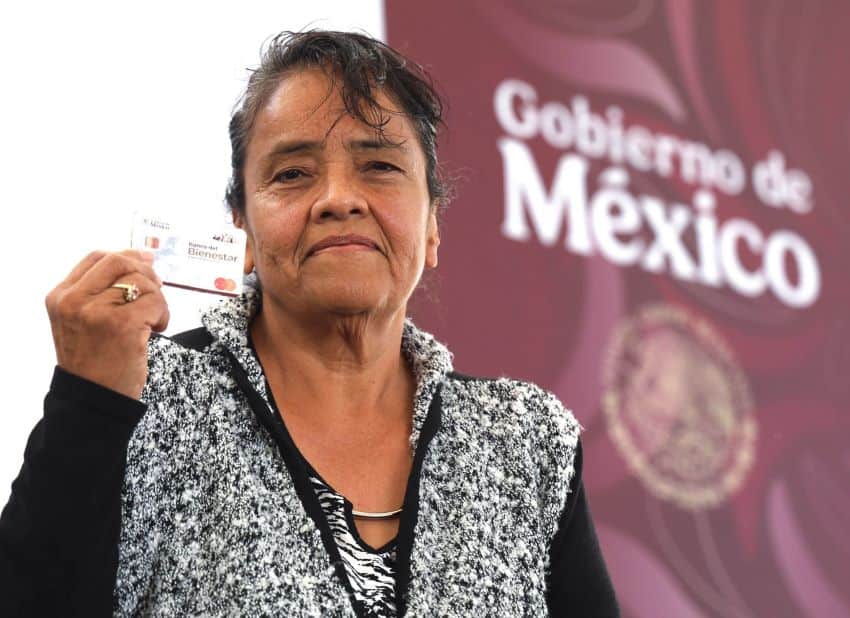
652,222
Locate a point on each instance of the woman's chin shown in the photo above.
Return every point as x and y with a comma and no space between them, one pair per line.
350,300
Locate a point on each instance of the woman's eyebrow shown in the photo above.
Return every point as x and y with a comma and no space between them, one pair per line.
375,144
284,148
295,146
298,146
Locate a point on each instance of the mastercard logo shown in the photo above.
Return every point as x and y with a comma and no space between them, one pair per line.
151,242
225,285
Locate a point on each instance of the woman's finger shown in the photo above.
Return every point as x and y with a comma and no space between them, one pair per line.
94,257
149,309
114,267
122,290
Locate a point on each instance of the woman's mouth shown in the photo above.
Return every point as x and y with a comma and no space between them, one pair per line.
350,242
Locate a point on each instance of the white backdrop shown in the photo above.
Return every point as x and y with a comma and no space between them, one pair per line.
108,108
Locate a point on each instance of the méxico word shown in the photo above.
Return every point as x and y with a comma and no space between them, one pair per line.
642,230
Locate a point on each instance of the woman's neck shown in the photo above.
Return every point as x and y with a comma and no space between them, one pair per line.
345,370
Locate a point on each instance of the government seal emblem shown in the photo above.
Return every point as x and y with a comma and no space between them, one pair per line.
678,407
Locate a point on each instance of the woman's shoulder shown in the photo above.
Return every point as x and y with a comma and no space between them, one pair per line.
516,400
523,405
519,395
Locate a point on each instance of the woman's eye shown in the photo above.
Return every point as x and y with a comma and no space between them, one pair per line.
289,175
382,166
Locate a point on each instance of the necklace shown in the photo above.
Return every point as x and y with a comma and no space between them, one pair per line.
366,515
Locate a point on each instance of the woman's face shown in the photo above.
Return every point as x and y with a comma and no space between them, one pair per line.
337,220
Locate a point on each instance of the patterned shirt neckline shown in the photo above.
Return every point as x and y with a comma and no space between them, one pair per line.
371,572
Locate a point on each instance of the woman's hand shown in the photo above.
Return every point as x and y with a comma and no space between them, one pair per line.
99,335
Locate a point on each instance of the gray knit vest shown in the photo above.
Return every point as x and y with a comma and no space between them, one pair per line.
212,524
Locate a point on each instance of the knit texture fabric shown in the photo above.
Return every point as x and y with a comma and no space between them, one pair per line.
212,525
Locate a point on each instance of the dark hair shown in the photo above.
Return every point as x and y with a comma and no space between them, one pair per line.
363,65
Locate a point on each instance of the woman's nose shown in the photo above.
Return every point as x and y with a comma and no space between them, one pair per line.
340,198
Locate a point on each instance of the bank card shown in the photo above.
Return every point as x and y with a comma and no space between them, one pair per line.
191,256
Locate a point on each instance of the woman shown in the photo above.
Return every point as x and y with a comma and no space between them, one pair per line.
308,451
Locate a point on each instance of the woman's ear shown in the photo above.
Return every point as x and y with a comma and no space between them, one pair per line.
432,241
240,222
249,257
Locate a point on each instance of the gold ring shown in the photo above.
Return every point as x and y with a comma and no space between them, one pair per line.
131,291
